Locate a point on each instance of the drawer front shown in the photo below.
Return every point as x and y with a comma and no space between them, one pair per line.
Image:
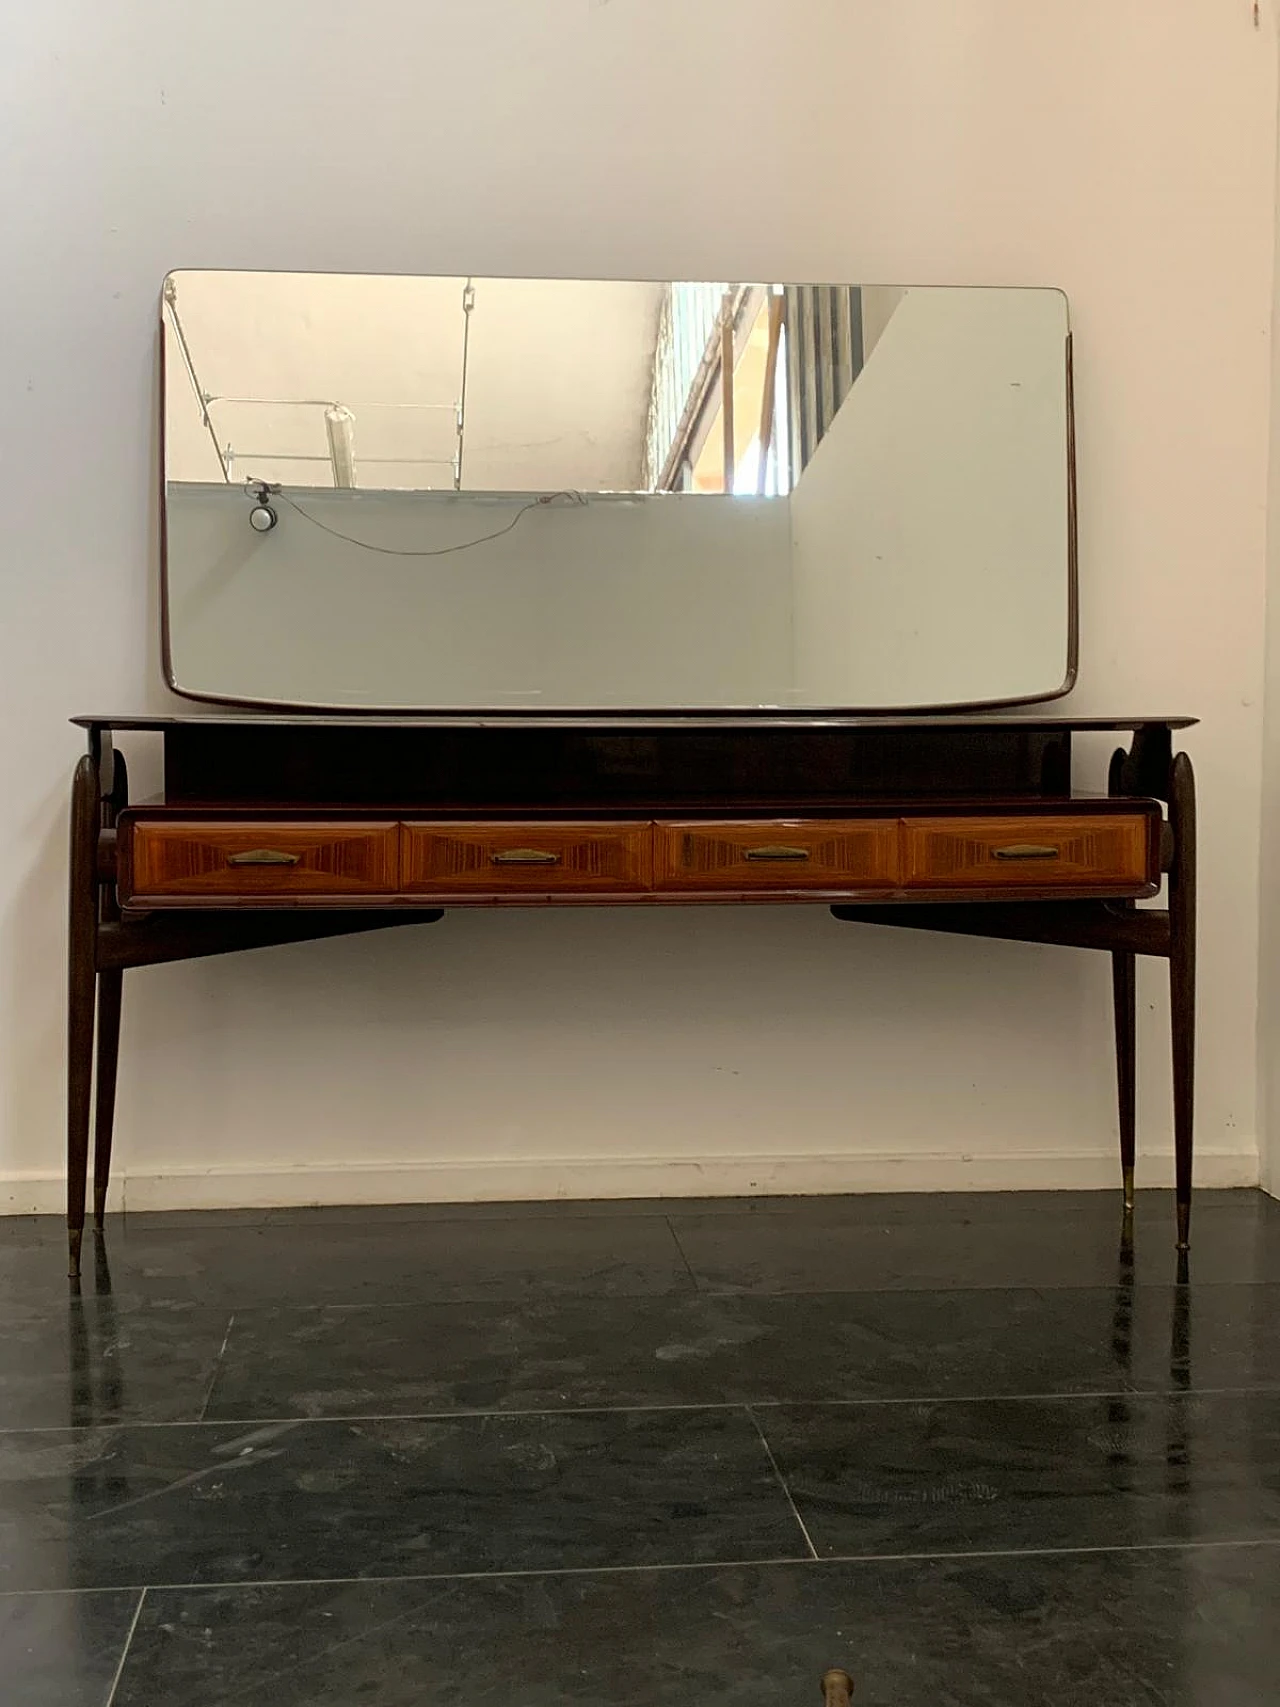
780,855
1112,851
241,859
540,859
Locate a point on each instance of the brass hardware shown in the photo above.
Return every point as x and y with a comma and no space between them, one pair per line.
1128,1191
263,856
773,853
1026,850
524,856
837,1689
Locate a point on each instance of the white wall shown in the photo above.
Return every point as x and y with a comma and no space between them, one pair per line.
879,304
1269,938
930,527
1269,934
1122,151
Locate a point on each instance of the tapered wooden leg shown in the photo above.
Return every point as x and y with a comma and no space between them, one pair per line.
1182,981
79,1084
1124,983
86,811
1124,986
110,991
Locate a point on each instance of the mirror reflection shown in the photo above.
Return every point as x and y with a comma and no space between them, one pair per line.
465,493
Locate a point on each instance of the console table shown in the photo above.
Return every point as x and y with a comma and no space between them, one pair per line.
286,829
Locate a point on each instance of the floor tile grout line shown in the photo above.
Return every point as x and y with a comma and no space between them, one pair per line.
422,1577
1078,1397
124,1652
716,1405
1124,1547
684,1255
217,1368
1268,1543
260,1221
782,1482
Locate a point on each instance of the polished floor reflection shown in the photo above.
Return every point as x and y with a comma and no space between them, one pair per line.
975,1449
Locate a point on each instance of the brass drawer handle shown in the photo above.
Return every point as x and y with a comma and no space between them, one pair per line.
524,856
1026,850
773,853
263,856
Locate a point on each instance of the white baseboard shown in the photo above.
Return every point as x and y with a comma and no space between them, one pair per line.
509,1179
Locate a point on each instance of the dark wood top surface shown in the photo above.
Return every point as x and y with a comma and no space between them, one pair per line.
589,721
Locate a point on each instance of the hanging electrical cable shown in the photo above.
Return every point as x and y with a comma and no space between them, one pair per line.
260,492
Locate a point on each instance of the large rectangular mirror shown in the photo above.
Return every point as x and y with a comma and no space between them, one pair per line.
467,494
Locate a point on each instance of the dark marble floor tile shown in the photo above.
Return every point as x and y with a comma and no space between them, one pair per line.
1184,1628
1010,1474
81,1363
693,1349
365,1214
1099,1208
33,1275
17,1231
386,1262
912,1206
1054,1240
106,1508
854,1208
62,1650
383,1254
1169,1339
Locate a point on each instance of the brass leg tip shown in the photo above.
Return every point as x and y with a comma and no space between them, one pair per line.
1184,1226
1128,1191
837,1689
74,1241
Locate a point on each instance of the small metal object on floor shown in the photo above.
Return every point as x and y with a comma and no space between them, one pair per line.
837,1689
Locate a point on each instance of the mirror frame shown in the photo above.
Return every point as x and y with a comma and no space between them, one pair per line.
638,717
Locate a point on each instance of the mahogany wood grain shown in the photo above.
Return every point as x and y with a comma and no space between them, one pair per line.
533,858
1015,853
259,859
760,855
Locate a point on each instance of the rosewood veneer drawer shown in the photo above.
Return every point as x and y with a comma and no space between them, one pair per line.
1114,851
507,859
254,860
817,853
